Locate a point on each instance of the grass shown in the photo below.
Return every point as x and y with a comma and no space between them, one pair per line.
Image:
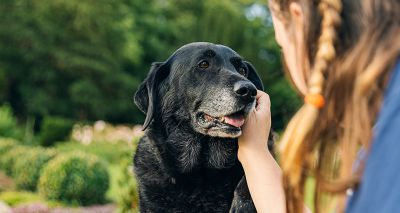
15,198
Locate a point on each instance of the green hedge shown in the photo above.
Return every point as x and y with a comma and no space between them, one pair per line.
55,129
74,178
26,170
6,144
8,159
126,190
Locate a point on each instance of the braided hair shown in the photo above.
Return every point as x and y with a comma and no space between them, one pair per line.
292,140
351,46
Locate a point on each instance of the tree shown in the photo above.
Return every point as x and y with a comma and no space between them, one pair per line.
68,58
243,25
83,59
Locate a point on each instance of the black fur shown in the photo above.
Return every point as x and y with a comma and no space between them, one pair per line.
184,163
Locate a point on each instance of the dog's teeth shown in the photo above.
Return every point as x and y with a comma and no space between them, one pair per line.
208,118
222,119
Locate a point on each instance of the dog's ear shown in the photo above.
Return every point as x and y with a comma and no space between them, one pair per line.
253,76
146,95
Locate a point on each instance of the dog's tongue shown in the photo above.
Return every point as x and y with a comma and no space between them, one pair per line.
235,120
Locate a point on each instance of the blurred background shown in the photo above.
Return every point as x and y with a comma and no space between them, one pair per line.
68,72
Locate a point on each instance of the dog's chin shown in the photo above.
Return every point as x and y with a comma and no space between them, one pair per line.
224,133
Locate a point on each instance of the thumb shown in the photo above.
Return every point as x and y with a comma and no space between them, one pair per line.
263,103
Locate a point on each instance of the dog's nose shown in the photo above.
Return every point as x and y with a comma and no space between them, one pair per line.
245,89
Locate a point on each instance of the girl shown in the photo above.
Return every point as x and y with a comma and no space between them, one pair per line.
343,57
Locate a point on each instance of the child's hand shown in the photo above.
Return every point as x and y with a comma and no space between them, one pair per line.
256,129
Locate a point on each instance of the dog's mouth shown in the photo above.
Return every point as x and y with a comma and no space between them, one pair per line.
226,126
234,120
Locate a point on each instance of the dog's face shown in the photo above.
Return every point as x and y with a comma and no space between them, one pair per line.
209,86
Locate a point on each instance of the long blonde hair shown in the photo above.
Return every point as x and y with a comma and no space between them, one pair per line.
351,47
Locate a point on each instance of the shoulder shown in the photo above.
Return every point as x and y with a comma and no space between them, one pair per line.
393,90
379,190
389,117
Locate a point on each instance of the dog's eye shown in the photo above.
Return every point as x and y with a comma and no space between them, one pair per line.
242,71
203,64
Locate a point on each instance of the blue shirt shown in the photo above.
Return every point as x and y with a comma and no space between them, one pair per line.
379,190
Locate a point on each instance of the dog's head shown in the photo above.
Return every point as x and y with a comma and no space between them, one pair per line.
208,86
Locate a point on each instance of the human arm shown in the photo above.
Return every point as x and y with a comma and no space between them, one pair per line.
263,174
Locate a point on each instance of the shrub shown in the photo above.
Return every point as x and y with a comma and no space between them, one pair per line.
8,159
26,170
8,123
74,178
55,129
6,144
126,189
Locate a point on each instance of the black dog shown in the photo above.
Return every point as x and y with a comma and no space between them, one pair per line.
195,104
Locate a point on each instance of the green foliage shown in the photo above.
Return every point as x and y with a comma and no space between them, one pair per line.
6,144
107,151
96,53
8,159
74,178
55,129
127,189
27,169
14,198
8,123
283,103
53,49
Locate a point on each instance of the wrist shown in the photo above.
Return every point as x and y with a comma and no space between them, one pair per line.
259,161
252,155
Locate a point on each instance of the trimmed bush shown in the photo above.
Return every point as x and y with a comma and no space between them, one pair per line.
6,144
55,129
127,193
74,178
8,159
26,170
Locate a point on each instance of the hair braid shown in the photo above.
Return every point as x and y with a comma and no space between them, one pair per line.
293,144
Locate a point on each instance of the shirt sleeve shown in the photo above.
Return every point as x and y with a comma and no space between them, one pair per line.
379,190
